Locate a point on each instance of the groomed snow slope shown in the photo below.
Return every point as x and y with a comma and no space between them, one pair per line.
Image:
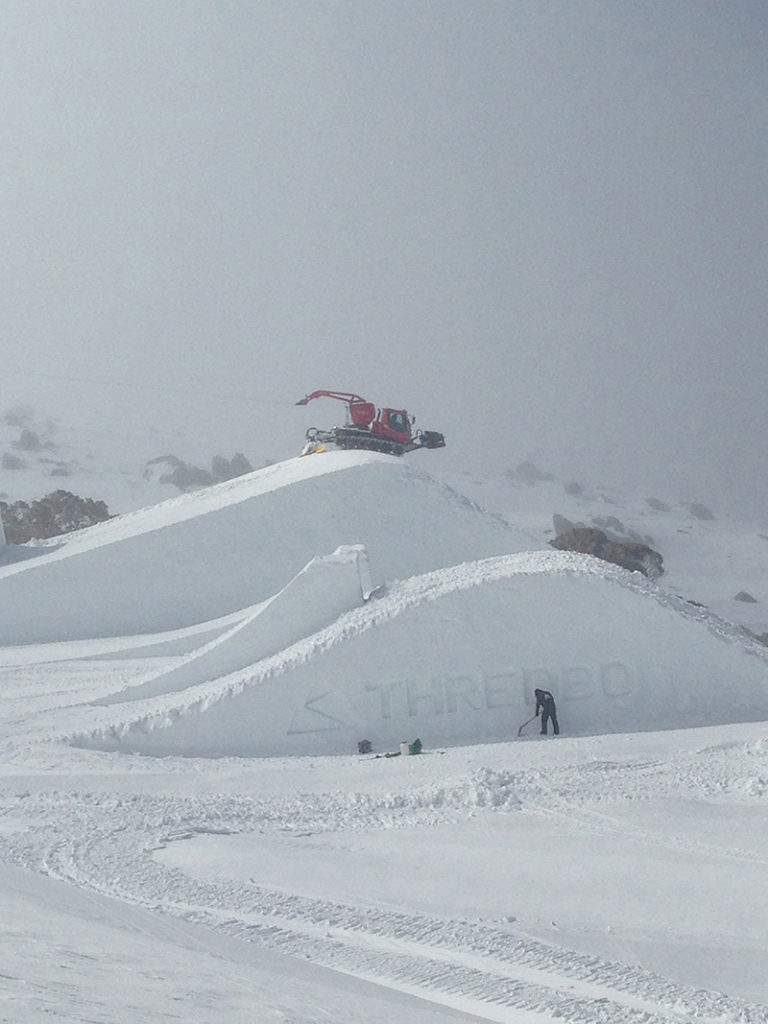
453,657
403,889
206,555
292,657
324,590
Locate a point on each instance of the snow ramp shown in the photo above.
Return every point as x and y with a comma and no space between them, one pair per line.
453,657
205,555
326,588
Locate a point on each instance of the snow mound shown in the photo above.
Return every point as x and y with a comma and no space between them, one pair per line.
321,592
453,656
209,554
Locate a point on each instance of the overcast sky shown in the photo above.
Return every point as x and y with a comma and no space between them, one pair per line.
540,226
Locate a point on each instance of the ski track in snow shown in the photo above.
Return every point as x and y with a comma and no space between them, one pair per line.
107,846
102,821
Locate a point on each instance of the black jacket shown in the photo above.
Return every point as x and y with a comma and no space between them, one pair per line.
544,701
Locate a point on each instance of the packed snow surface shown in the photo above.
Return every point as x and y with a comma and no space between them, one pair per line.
616,874
209,553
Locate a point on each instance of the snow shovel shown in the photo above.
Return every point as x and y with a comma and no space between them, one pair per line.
520,730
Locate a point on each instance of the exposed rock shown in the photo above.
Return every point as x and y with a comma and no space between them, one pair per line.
19,416
658,506
57,513
744,596
170,469
563,525
632,555
57,467
573,488
699,511
610,523
616,530
530,473
12,462
30,441
228,469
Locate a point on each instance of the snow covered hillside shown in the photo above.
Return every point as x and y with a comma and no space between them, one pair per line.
303,641
716,556
713,554
41,453
204,555
182,693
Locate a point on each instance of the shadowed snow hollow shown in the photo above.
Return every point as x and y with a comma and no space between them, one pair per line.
205,555
453,657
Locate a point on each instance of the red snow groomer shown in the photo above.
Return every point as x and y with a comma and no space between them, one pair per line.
377,430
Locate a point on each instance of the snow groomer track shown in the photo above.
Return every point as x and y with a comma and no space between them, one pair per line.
481,966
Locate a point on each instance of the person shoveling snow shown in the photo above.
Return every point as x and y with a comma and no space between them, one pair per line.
546,703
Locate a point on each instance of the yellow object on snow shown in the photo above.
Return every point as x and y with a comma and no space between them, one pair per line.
313,448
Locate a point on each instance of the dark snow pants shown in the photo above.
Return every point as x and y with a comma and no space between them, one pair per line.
549,714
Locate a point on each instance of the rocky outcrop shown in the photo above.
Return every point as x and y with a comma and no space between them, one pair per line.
657,505
611,526
529,473
57,513
633,555
699,511
169,469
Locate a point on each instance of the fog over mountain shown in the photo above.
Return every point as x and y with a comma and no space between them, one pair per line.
538,225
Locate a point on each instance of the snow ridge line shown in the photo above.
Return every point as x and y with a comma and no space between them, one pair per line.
403,595
400,596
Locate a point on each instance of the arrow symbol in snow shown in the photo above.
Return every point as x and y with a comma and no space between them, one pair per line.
309,723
